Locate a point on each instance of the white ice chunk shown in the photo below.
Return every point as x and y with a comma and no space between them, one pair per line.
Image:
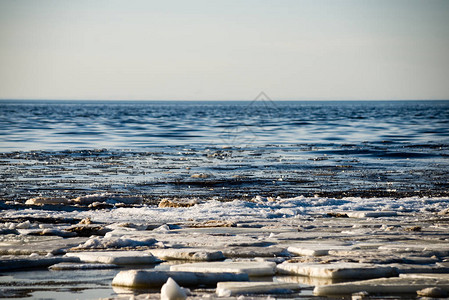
23,225
107,243
412,268
337,270
441,248
317,249
163,228
250,268
396,285
172,291
109,198
47,232
116,257
151,279
47,200
271,251
426,275
188,254
228,289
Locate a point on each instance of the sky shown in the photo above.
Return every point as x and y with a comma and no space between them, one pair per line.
224,50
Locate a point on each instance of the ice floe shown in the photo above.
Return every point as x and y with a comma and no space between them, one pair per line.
376,239
48,200
237,210
252,268
108,198
397,285
227,289
253,252
111,243
28,244
116,257
416,268
418,247
156,278
317,249
188,254
337,270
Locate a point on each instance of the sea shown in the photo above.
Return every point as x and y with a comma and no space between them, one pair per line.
224,149
62,125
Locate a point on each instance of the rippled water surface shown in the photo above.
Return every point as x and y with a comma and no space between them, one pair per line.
224,149
213,150
58,125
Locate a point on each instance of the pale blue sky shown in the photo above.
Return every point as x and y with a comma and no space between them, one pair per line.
206,50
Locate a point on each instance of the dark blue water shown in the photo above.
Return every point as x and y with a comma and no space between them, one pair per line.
58,125
63,148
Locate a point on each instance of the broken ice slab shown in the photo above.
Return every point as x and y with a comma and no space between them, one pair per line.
47,232
227,289
251,268
48,200
155,279
116,257
426,248
188,254
74,266
108,198
412,268
317,249
26,244
371,214
110,243
337,270
397,285
426,275
306,280
251,252
34,262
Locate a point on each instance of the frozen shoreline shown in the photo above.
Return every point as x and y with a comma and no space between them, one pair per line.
399,236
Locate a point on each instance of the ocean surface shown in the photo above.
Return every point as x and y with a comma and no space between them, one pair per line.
61,125
224,149
299,164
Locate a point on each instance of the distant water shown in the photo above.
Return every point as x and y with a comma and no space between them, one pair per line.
335,149
60,125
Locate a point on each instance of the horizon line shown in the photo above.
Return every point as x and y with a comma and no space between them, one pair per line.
211,100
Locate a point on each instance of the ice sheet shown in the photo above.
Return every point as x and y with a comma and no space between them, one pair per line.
317,249
227,289
188,254
149,279
250,268
238,210
337,270
382,286
116,257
